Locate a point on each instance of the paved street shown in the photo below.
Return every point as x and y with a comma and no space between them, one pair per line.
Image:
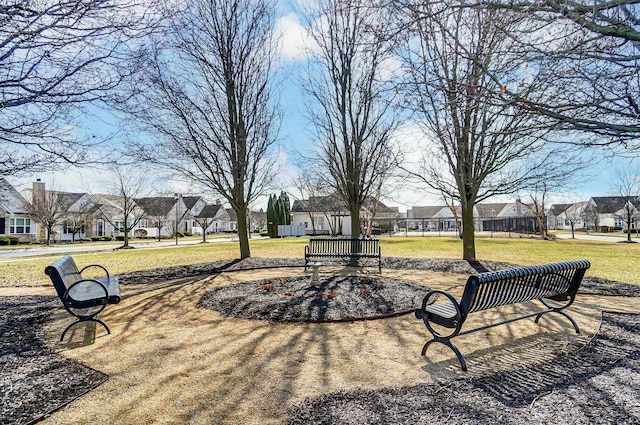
91,247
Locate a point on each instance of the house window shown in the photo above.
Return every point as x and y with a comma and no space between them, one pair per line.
617,222
20,225
118,225
71,227
100,229
143,223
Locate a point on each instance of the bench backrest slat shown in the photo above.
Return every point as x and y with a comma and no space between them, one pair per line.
63,273
493,289
343,246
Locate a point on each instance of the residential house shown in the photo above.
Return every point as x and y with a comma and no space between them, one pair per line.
215,217
73,215
194,205
512,216
15,219
574,216
233,220
160,216
431,218
257,221
613,212
604,213
555,217
329,215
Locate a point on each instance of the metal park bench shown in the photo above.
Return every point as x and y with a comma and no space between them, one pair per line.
83,298
344,250
554,285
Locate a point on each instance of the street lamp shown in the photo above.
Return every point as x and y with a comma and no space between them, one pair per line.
177,197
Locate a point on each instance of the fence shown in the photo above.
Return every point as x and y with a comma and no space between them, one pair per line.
398,226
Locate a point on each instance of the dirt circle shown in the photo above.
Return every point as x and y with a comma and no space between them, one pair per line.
297,299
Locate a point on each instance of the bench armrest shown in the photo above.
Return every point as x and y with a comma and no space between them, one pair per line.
86,290
98,266
447,314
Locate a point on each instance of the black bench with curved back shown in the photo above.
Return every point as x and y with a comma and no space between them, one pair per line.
84,298
554,285
346,250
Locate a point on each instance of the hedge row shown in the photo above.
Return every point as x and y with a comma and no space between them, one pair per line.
9,240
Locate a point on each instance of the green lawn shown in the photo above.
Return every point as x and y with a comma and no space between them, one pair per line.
617,261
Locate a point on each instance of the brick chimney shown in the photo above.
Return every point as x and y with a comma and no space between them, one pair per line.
38,192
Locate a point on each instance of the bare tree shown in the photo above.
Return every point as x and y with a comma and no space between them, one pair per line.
575,215
311,190
350,108
594,47
157,209
125,187
626,186
76,222
56,56
591,215
48,208
478,144
537,206
208,99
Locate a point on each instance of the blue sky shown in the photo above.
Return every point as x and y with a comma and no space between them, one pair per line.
295,136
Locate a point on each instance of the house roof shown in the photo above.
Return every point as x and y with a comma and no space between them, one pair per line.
333,203
613,204
209,211
424,211
158,205
191,201
557,209
11,200
319,204
381,208
67,199
492,210
109,201
258,215
232,214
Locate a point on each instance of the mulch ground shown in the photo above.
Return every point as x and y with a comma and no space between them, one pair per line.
35,379
598,383
335,298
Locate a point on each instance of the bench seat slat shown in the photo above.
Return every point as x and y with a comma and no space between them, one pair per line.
445,309
89,290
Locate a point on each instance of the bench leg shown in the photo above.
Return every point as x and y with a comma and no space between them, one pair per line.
573,322
453,348
80,320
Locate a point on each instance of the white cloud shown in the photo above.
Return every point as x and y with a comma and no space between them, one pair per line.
294,37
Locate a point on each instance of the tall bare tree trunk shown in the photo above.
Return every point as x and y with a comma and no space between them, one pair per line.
468,233
243,234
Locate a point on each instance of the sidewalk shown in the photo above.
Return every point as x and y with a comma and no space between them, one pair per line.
97,247
613,237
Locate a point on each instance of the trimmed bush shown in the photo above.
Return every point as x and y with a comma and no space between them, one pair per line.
4,240
109,238
13,240
95,238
